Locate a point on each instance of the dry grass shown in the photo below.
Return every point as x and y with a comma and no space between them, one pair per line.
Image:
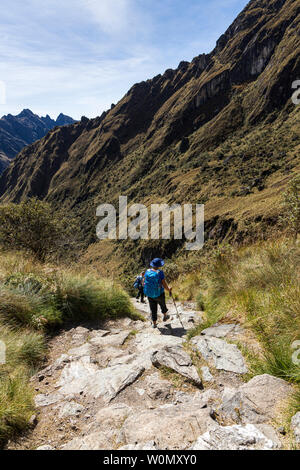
259,287
35,299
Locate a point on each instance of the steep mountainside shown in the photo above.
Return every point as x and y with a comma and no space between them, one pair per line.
16,132
221,129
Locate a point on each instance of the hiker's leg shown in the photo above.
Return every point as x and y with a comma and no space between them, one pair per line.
153,308
142,294
162,304
163,307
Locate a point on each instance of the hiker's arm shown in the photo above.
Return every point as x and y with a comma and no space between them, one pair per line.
165,285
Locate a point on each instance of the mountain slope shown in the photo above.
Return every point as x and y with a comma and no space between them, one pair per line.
221,130
16,132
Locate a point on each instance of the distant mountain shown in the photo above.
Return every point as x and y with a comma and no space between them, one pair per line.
221,130
16,132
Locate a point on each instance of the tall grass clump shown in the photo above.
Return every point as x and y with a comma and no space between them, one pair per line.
37,299
44,298
260,287
82,297
25,350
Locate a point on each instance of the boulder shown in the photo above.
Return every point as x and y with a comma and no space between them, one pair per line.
155,341
177,359
296,426
171,427
206,375
201,399
84,350
255,401
70,409
235,437
220,331
122,359
156,388
95,441
225,356
79,335
42,400
86,379
112,417
111,340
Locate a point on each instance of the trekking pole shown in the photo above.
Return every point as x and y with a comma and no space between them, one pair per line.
177,312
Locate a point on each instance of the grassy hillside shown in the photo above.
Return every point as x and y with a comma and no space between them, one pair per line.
35,301
221,130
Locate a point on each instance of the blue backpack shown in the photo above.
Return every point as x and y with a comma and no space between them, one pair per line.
152,286
138,282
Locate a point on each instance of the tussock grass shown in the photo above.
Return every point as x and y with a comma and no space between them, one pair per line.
25,350
259,286
44,297
36,299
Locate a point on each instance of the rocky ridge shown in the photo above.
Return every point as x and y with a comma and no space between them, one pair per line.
16,132
221,130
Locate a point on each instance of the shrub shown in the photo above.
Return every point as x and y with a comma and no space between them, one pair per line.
33,226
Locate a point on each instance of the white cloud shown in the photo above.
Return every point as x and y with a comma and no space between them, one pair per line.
113,16
79,56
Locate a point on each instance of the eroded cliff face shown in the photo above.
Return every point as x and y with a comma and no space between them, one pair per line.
182,132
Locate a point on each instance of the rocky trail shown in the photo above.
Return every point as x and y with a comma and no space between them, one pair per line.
126,386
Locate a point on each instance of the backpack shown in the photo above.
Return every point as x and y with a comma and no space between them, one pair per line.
152,286
138,282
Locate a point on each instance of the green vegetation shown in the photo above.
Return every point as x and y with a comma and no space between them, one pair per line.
34,227
25,349
35,299
259,287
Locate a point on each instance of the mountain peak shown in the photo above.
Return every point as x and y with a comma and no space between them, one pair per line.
63,120
16,132
26,113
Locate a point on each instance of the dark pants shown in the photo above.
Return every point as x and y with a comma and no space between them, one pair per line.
140,294
161,301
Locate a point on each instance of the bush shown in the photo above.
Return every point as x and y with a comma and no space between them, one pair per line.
33,226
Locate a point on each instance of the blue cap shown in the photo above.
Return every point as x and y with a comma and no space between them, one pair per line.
157,263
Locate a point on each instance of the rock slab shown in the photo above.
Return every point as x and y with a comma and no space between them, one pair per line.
177,359
235,437
225,356
255,401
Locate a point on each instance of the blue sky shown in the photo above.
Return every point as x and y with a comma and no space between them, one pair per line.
79,56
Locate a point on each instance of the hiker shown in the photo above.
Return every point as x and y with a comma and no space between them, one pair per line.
139,284
154,288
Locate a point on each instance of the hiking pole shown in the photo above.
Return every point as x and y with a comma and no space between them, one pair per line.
177,312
